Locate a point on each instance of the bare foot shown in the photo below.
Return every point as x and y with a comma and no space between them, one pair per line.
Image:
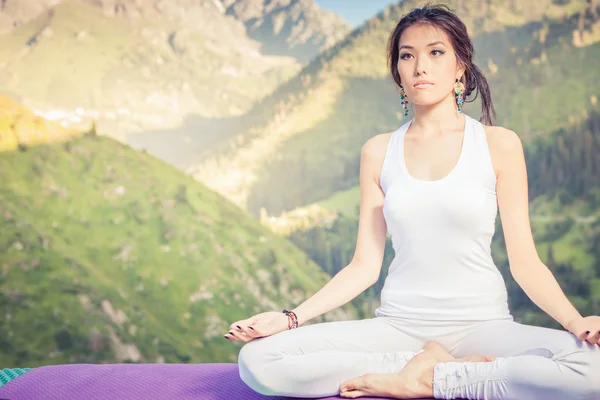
412,382
444,356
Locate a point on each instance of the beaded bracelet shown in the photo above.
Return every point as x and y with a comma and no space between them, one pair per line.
293,319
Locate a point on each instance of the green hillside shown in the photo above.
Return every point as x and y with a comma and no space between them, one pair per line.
110,255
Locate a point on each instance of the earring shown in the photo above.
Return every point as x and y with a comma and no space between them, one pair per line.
404,102
459,89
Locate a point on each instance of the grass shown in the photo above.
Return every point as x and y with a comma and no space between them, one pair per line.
93,218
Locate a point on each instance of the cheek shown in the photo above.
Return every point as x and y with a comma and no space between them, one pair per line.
404,74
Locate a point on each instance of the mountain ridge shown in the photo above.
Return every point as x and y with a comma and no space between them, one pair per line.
154,61
336,82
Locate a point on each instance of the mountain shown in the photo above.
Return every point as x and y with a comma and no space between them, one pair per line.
134,66
296,28
16,12
302,143
110,255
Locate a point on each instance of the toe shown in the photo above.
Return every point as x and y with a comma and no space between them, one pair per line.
350,384
352,394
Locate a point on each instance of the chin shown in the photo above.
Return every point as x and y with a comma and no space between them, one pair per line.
425,100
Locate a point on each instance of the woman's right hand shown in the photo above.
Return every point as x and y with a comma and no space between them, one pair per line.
259,325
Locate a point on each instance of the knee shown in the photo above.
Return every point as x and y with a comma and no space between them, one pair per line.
594,388
253,369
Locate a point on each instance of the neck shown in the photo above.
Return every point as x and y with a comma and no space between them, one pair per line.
439,117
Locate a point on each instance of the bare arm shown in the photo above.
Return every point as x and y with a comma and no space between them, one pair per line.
365,267
532,275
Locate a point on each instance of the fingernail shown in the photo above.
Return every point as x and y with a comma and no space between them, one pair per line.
225,337
231,333
252,328
587,332
239,327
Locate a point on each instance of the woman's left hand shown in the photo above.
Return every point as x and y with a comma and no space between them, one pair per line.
586,328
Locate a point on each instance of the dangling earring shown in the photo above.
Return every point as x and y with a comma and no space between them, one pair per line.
404,102
459,89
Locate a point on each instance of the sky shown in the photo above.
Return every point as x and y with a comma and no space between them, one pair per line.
354,11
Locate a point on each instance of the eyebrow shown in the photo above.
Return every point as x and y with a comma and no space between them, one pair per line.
405,46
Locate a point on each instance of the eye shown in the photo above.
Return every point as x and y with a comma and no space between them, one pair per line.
439,51
402,56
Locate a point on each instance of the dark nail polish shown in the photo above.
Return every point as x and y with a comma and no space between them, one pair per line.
252,328
225,337
587,332
239,327
231,333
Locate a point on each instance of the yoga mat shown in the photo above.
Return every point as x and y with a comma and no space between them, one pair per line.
220,381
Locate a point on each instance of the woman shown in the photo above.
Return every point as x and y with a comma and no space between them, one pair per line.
435,184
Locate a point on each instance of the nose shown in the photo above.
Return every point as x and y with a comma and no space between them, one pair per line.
421,66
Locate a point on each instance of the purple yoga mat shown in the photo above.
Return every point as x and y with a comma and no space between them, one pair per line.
220,381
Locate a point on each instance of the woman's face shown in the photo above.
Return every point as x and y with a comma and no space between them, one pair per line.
427,54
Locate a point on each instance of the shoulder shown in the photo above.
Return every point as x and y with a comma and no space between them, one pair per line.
502,139
373,153
375,145
506,147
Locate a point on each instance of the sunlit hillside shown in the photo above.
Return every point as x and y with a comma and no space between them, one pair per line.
111,255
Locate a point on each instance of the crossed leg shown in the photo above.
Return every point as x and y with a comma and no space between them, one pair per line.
414,381
313,360
530,362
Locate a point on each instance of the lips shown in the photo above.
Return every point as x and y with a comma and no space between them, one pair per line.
422,84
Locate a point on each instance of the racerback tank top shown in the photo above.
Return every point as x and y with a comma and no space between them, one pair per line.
441,232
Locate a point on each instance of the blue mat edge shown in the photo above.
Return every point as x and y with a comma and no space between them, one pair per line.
9,374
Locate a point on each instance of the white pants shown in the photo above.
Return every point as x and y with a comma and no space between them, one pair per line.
531,362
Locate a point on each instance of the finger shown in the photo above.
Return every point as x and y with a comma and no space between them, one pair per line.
238,326
593,339
583,335
258,330
247,331
242,322
230,337
234,336
587,335
242,336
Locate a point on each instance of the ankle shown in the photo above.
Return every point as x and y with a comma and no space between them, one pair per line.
426,379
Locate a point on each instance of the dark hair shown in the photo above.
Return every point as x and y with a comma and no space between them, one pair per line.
442,16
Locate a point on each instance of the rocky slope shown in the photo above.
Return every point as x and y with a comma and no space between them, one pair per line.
142,65
298,28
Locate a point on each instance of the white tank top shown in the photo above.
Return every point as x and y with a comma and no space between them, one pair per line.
441,232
